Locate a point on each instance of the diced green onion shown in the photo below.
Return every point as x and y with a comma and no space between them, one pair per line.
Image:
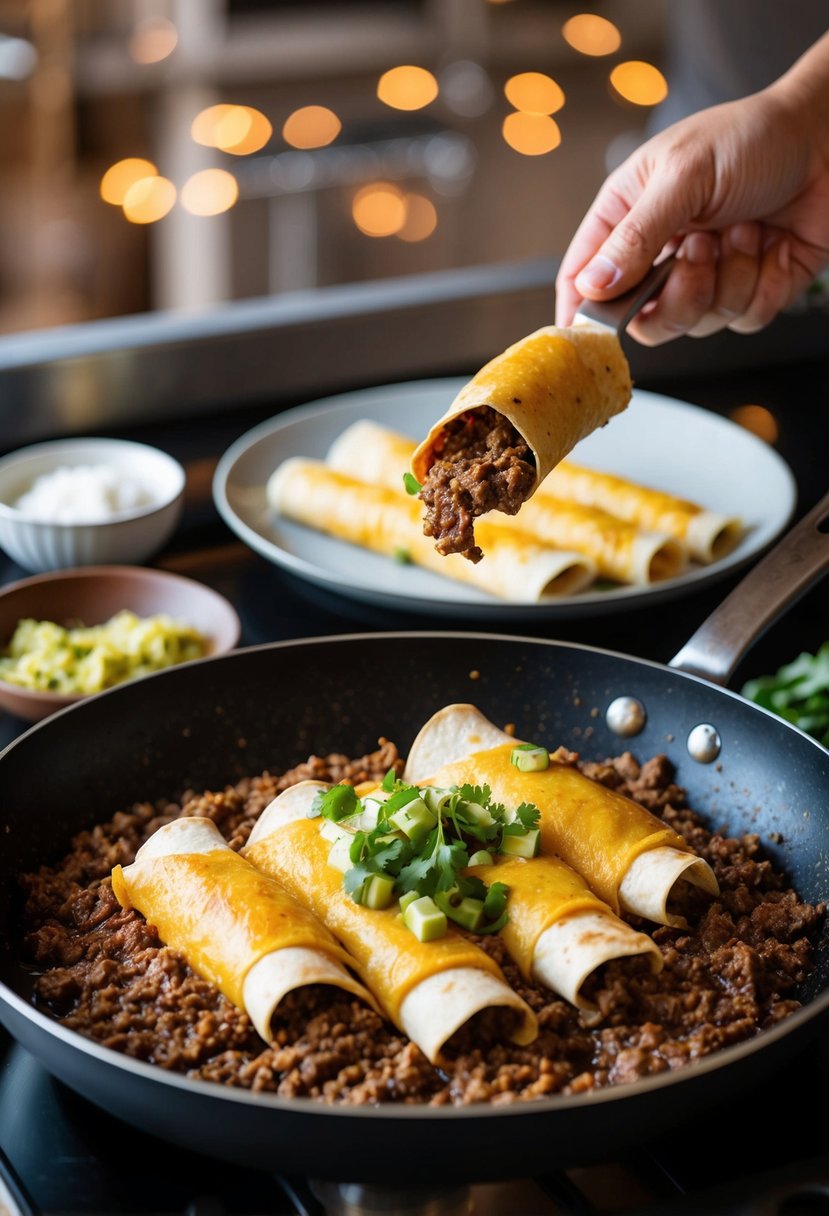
424,919
496,900
411,483
331,831
467,912
525,845
436,800
477,814
528,758
483,857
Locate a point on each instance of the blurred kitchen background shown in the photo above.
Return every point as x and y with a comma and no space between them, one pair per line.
174,154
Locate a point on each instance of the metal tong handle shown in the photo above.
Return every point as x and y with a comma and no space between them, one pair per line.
617,314
773,585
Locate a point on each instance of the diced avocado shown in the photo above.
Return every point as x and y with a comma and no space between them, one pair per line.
338,856
467,912
408,897
378,891
331,831
522,846
414,819
424,919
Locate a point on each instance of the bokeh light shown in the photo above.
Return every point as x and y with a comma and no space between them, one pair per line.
421,219
153,40
311,127
238,130
119,177
407,87
757,419
209,192
531,134
379,209
534,93
149,199
591,34
640,83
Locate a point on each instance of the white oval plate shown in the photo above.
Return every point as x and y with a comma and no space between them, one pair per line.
657,441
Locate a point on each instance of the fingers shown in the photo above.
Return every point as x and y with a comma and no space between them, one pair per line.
620,237
777,283
740,280
687,296
738,270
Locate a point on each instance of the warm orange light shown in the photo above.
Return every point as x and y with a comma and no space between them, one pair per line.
311,127
591,34
534,93
119,177
239,130
639,83
421,219
209,192
149,199
531,134
379,209
153,40
407,87
757,419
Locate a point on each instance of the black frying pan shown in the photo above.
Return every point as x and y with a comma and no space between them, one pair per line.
183,728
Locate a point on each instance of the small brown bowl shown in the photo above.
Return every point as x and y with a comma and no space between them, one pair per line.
93,594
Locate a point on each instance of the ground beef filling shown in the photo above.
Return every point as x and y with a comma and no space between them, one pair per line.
105,974
483,465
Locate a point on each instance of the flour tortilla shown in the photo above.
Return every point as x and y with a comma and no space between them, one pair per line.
440,995
266,979
708,535
516,567
648,885
555,386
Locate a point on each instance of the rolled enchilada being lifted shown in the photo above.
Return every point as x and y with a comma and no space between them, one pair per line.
512,423
627,856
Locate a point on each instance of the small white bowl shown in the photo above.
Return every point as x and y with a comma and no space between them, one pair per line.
127,537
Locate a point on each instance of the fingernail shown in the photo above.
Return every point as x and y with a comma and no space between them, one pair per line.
783,256
698,249
598,275
745,238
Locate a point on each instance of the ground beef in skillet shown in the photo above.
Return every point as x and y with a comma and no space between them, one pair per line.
106,975
483,465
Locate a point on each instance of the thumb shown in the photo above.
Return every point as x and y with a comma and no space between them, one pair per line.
661,211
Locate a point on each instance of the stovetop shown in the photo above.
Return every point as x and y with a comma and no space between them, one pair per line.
760,1154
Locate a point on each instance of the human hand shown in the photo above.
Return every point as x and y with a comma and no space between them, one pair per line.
741,191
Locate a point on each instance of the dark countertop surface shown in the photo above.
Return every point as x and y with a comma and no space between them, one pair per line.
275,606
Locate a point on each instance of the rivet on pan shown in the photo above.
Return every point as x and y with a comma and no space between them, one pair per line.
704,743
626,716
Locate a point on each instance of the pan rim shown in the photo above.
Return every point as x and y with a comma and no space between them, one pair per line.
409,634
554,1104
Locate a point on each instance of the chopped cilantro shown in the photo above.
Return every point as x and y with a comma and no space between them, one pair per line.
430,862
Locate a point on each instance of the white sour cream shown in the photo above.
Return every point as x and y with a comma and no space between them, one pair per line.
82,494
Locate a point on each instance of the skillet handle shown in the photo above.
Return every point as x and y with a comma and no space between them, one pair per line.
767,591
